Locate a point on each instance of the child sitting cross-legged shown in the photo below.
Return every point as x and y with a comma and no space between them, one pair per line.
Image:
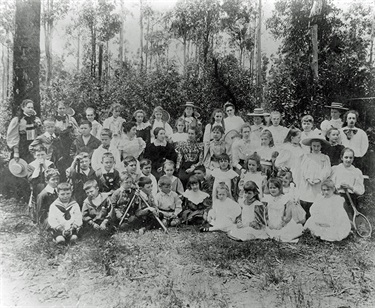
64,217
206,183
251,223
329,220
146,167
169,169
96,211
46,197
224,212
168,202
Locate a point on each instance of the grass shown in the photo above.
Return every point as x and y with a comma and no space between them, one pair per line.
181,269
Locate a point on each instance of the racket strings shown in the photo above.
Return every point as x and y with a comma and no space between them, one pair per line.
362,225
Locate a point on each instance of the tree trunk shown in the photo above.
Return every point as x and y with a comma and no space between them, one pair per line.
259,56
78,50
121,47
100,62
314,64
147,42
184,55
93,50
141,34
26,53
48,28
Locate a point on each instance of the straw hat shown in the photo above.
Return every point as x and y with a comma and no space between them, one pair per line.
190,104
18,169
259,112
70,111
315,137
165,115
338,106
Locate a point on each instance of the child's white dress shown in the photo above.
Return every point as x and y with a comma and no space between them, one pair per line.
329,220
257,178
277,214
223,215
252,218
223,176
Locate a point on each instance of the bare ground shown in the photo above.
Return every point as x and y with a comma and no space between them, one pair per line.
181,269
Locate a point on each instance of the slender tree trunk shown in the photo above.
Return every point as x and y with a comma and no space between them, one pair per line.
259,55
121,46
141,34
3,63
48,28
93,50
26,53
184,55
100,62
108,63
147,42
314,63
372,35
78,50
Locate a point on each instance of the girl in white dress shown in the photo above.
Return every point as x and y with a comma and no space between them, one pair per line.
224,212
267,153
280,223
160,118
114,123
180,135
251,223
329,220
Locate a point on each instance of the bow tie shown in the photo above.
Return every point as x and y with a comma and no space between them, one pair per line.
60,118
350,132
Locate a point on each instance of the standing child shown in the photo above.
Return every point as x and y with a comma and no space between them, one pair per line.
196,203
267,153
64,216
114,123
96,210
22,131
334,149
280,223
215,148
46,139
64,120
225,174
168,202
160,118
85,142
328,220
169,169
96,127
106,146
307,124
46,197
146,167
180,135
224,212
278,132
347,177
335,121
259,125
252,173
216,120
251,224
108,176
78,174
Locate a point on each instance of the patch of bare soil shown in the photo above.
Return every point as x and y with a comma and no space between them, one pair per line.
181,269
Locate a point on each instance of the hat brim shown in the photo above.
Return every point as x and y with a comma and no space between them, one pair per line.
338,108
259,114
22,162
165,115
308,141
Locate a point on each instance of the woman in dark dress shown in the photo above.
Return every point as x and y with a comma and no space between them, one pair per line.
159,151
143,126
190,155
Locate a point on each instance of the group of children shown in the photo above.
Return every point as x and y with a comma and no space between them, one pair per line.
249,181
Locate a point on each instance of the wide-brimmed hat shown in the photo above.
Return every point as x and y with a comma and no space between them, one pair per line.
338,106
18,169
190,104
165,115
315,137
259,112
70,111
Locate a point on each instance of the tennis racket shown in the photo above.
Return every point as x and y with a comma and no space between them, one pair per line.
360,222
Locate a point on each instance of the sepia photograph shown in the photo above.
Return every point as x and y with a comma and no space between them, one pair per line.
187,153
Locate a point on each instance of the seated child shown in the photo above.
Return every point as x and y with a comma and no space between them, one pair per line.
224,212
347,177
64,217
168,202
225,174
169,169
125,203
251,223
280,224
46,197
46,139
85,142
78,174
96,210
195,203
334,149
146,167
108,177
206,183
252,172
96,159
329,220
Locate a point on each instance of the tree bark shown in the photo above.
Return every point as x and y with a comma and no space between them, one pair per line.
141,34
26,53
48,28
